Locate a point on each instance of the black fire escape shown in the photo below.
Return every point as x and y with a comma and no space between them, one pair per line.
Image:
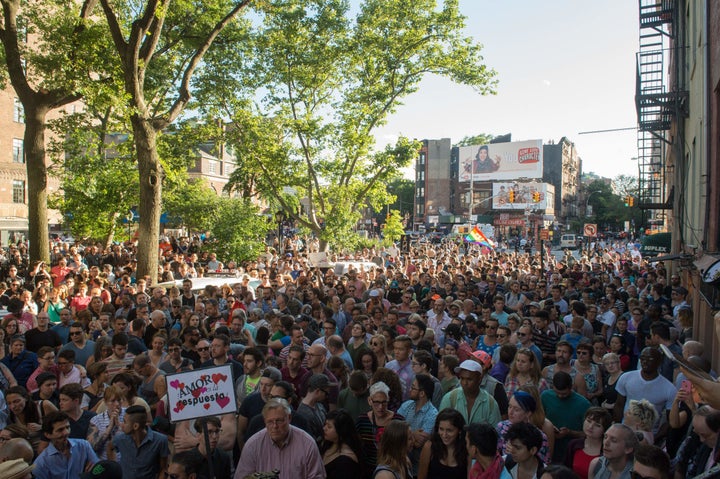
659,100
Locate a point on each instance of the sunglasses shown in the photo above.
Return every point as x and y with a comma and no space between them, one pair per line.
75,333
204,349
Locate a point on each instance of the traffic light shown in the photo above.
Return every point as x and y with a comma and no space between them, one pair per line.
627,200
536,197
631,201
511,196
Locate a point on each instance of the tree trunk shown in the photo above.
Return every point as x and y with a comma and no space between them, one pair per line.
150,206
34,145
113,226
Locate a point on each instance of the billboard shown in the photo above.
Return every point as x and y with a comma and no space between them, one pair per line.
501,161
520,196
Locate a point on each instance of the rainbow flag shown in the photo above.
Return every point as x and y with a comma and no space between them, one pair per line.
477,236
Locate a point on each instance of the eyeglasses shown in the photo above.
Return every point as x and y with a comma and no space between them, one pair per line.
583,353
275,422
204,349
173,350
375,344
520,335
75,333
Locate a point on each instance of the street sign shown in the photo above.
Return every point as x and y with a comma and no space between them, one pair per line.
544,234
590,230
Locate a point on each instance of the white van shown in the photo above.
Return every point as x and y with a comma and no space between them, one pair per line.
568,241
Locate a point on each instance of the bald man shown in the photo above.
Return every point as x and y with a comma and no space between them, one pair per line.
16,448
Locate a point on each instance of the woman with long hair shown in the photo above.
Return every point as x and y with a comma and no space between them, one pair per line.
378,345
157,353
368,363
127,385
106,425
80,299
94,393
525,369
341,448
55,304
617,346
11,328
445,455
26,412
339,368
393,462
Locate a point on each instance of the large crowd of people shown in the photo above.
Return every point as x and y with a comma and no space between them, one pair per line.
444,361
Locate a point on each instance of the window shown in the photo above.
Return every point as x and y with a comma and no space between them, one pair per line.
18,191
229,168
18,111
212,167
18,151
422,158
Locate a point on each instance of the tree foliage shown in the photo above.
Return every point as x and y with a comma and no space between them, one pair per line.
479,139
394,229
160,44
238,231
315,84
52,51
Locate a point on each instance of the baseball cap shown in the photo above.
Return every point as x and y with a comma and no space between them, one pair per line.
272,373
319,381
680,290
374,293
483,357
435,297
104,470
469,365
534,304
394,285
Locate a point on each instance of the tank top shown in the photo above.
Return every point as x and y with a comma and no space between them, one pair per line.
438,470
147,389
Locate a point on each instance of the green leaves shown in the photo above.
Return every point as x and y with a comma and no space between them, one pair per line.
317,84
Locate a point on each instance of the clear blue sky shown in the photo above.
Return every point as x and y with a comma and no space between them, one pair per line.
564,67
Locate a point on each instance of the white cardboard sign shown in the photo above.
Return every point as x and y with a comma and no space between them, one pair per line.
200,393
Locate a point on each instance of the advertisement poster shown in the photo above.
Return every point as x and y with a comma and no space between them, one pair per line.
519,196
501,161
202,392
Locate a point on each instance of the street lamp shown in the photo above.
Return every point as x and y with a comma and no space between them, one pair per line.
587,201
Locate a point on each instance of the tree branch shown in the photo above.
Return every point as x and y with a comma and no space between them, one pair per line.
184,91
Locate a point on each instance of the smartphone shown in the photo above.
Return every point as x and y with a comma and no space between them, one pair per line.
676,358
686,385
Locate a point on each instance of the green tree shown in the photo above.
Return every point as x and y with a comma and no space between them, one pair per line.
393,230
323,83
480,139
194,203
51,50
238,231
99,180
404,191
159,46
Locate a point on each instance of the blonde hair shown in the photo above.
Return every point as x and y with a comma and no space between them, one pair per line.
645,413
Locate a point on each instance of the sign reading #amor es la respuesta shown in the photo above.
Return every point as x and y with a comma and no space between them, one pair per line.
200,393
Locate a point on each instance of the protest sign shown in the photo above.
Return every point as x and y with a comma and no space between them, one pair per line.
200,393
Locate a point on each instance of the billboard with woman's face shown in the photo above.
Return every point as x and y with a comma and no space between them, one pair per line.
501,161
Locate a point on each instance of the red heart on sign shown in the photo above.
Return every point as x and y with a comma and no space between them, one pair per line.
223,401
206,406
180,406
197,392
216,378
